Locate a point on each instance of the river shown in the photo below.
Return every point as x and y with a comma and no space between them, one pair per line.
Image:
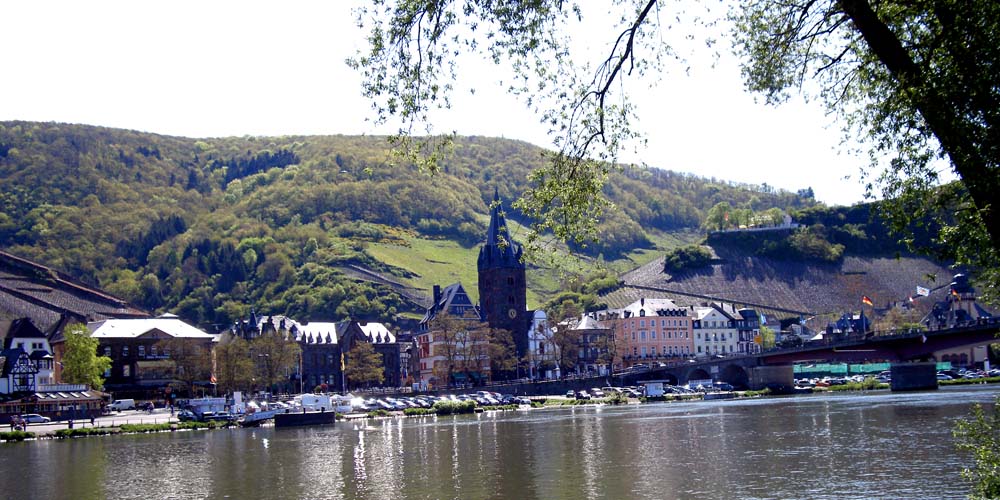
876,445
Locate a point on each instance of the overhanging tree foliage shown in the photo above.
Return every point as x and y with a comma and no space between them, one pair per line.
918,80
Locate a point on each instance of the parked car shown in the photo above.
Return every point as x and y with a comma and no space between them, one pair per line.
186,416
570,394
723,386
597,393
943,376
583,395
34,418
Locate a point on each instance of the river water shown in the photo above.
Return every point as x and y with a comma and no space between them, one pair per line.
878,445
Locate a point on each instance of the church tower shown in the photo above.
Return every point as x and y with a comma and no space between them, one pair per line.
502,288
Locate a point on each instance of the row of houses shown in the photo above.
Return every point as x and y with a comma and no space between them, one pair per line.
657,330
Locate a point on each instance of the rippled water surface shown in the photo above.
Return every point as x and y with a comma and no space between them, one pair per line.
826,446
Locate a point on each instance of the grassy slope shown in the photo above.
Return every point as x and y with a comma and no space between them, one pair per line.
443,262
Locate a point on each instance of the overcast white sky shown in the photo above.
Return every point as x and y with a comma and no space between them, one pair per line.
209,69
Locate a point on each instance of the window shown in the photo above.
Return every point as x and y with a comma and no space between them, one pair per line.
663,322
652,334
125,352
152,351
107,351
644,351
642,323
142,351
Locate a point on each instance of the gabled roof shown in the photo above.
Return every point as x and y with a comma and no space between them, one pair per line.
589,323
317,333
649,307
377,333
10,358
454,295
134,328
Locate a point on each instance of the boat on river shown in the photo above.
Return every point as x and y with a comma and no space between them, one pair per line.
257,418
295,419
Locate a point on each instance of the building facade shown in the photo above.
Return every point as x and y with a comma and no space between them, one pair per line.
715,331
653,330
141,364
502,283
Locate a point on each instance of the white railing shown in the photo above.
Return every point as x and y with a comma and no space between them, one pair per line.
62,387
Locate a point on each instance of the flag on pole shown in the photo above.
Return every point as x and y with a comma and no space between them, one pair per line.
954,293
341,361
212,379
866,300
911,299
923,292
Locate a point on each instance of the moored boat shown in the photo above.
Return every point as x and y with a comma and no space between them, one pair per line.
294,419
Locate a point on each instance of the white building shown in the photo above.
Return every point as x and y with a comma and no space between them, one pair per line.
27,361
541,349
715,331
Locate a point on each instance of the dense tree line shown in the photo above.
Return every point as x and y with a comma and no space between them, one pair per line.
237,168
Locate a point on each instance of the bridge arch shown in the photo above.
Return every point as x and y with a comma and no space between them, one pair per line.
736,376
698,374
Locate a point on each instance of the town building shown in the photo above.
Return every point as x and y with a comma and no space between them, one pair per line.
959,308
653,330
324,346
542,350
27,378
503,298
451,309
384,342
714,329
594,355
140,352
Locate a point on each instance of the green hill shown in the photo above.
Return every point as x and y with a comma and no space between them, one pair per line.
319,228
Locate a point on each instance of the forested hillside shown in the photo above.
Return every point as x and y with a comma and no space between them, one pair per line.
210,227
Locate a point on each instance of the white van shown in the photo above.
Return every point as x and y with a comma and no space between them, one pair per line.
122,404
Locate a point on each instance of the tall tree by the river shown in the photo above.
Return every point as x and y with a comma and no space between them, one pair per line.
80,362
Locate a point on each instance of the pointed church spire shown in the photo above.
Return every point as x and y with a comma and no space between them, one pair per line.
500,249
498,224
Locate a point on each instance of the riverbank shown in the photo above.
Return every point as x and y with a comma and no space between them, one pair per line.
141,423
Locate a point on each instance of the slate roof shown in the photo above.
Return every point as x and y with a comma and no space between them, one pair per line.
133,328
317,333
377,333
589,323
49,297
500,249
453,295
649,307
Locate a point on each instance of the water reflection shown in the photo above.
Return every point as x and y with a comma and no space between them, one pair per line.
831,446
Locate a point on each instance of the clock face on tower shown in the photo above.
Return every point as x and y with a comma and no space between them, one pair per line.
511,313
